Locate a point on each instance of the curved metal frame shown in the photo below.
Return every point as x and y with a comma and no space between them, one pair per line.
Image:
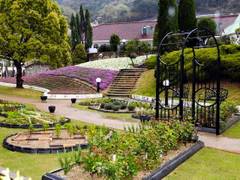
189,37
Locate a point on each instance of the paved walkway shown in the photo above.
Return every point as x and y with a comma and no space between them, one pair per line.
63,107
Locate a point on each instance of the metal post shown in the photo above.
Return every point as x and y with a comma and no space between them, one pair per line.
181,86
98,87
193,87
218,95
157,88
166,96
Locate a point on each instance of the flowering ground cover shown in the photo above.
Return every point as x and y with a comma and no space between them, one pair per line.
68,79
114,63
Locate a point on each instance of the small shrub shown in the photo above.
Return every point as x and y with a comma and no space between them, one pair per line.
123,106
108,106
45,126
102,105
65,163
228,108
116,107
131,108
58,129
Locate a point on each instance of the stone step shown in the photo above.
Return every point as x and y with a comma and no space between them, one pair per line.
124,83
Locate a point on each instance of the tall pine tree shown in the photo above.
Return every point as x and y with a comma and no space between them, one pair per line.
167,19
81,29
88,30
187,15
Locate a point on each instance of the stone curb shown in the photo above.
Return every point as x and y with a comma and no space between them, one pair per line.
168,167
40,150
36,126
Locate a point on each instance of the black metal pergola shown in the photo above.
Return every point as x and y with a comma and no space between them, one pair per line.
180,95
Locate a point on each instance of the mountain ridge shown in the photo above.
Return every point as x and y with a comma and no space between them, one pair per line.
133,10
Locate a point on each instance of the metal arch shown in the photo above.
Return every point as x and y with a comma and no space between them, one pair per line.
159,61
196,63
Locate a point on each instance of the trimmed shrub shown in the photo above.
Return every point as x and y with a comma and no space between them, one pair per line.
108,106
230,61
115,107
131,108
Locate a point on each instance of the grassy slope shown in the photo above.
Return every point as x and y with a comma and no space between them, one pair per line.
26,93
233,132
146,86
209,164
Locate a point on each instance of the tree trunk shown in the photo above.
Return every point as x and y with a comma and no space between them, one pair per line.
19,80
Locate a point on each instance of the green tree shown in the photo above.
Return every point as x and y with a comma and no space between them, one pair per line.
114,42
79,55
88,30
33,29
167,19
187,15
207,23
82,23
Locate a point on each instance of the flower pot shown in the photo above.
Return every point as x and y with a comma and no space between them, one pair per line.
144,118
51,109
73,100
43,98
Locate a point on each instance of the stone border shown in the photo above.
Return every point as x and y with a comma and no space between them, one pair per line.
46,92
40,150
109,111
159,173
37,126
171,165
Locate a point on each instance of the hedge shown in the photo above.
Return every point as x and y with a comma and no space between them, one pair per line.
230,61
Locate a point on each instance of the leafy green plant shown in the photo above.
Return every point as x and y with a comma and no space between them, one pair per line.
108,106
65,163
58,129
45,126
77,156
131,108
31,128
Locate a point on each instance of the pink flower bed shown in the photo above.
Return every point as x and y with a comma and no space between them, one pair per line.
88,75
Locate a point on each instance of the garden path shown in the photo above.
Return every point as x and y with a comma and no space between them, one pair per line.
63,107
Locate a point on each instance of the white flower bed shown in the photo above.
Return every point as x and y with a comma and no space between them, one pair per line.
114,63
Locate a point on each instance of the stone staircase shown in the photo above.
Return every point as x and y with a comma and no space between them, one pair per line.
125,82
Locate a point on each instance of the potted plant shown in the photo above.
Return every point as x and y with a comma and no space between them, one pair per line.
43,98
74,100
51,109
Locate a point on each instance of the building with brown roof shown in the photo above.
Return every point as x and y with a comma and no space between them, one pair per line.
144,30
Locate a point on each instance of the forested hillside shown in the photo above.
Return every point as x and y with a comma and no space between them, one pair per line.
123,10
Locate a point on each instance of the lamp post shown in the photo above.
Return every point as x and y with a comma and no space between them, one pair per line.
98,81
166,84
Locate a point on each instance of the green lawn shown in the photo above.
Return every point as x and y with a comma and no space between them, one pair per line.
118,116
29,165
233,132
26,93
209,164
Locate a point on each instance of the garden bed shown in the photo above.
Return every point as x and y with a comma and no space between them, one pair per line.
96,108
14,115
43,142
170,162
130,154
